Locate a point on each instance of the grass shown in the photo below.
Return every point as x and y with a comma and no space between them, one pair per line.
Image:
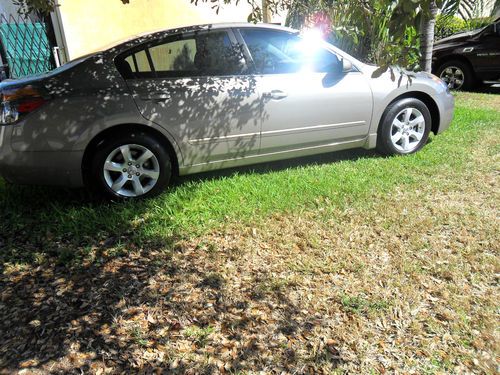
58,220
348,262
199,335
359,304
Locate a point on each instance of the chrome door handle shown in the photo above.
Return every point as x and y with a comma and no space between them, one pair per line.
275,94
157,97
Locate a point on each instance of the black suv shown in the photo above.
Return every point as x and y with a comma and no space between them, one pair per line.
467,59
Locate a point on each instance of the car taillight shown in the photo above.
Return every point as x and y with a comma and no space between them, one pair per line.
18,102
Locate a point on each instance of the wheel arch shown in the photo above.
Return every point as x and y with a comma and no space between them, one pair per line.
428,101
124,128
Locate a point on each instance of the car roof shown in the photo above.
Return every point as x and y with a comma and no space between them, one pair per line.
144,37
224,25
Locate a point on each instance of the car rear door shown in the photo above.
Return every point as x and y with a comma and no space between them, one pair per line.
304,103
193,85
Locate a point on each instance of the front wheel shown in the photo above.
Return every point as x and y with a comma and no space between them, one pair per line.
130,167
405,127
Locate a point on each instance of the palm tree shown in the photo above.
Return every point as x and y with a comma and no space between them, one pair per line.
427,26
266,16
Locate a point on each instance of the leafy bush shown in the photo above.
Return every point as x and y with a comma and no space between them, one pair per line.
478,23
447,25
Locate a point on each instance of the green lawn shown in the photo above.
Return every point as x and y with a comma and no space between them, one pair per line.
344,262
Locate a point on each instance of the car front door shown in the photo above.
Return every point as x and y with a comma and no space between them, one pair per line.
487,53
193,85
307,100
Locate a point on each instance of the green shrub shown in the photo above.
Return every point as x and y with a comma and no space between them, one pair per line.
447,25
478,23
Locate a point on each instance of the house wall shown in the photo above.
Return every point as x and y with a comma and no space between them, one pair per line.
92,24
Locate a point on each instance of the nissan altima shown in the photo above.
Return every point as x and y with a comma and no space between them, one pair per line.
124,121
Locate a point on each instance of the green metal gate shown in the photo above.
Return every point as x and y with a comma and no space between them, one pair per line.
26,47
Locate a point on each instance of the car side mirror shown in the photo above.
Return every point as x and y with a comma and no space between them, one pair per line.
346,66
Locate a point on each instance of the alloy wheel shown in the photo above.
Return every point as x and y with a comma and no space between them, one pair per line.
454,77
407,130
131,170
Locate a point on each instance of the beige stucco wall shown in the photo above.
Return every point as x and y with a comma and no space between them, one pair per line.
91,24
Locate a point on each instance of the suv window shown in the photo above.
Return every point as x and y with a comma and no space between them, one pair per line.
491,30
207,54
278,52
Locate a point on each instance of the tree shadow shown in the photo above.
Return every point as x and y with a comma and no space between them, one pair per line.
280,165
142,313
65,316
29,213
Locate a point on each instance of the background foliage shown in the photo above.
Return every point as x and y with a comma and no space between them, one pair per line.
360,28
385,32
449,25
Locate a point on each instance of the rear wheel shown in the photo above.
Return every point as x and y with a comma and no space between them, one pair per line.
457,75
405,127
130,167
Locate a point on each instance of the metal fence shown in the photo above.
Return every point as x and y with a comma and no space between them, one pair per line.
25,46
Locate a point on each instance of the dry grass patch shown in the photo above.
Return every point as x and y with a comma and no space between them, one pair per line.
475,100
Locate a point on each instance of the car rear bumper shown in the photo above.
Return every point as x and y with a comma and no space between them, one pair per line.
56,168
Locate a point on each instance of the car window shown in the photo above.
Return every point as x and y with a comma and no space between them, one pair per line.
206,54
176,56
139,62
491,31
277,52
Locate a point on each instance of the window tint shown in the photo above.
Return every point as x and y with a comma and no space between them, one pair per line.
277,52
205,54
491,31
142,62
131,63
175,56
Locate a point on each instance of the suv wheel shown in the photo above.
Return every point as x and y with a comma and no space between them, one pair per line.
130,167
457,74
405,127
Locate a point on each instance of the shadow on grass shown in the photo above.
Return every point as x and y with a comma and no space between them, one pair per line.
281,165
39,222
132,313
488,89
61,312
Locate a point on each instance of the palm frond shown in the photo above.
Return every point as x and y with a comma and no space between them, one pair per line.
496,9
466,9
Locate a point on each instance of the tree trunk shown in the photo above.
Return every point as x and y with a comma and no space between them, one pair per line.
266,14
427,26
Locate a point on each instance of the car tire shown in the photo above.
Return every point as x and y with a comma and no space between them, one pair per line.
405,127
132,166
454,72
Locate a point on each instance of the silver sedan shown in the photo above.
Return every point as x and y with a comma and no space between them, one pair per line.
125,120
